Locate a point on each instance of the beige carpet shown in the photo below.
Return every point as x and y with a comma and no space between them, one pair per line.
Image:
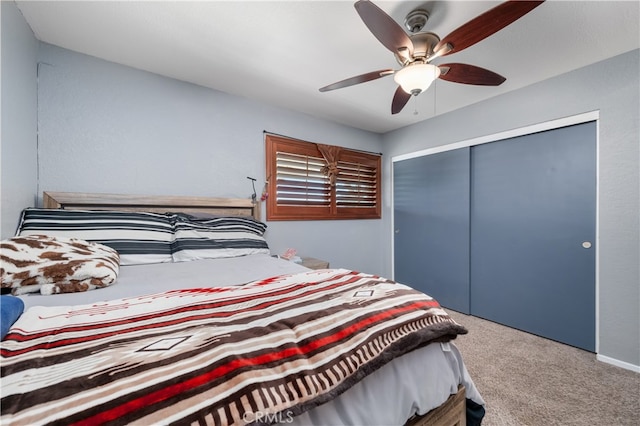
529,380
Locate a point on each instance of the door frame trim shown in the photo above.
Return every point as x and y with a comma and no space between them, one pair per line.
507,134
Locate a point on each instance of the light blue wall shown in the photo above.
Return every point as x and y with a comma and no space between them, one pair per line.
612,88
109,128
18,150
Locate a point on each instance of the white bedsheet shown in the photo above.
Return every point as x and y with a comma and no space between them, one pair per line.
155,278
414,383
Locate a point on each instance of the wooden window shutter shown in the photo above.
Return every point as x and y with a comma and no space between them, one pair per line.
299,187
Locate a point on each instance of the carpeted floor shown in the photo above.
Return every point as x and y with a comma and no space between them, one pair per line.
527,380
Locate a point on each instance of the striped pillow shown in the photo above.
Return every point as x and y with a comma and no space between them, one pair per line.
217,238
219,223
139,238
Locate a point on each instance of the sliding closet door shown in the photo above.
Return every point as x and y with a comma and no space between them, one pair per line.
533,233
431,221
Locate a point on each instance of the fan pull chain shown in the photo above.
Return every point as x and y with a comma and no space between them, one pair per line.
415,105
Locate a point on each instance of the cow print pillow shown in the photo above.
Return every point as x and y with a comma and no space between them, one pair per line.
50,265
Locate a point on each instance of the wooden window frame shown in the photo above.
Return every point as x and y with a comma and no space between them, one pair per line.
330,209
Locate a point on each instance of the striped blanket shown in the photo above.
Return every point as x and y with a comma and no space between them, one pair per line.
258,353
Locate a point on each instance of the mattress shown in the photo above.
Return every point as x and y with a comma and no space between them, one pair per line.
414,383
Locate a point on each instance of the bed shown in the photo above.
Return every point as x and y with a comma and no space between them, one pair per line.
220,333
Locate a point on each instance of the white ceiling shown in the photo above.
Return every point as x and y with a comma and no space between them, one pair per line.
282,52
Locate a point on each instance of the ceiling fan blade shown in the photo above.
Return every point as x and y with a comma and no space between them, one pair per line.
384,28
373,75
400,99
470,74
486,24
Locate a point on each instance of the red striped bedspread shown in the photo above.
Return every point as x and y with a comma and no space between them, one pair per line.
261,352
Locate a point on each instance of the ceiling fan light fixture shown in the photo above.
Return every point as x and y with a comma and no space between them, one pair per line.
416,78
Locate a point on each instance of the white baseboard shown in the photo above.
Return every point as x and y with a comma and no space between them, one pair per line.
618,363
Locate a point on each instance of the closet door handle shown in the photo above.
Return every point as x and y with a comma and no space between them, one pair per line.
586,244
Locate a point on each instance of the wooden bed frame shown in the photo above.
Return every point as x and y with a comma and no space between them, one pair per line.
152,203
451,413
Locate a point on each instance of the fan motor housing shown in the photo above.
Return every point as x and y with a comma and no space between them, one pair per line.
423,44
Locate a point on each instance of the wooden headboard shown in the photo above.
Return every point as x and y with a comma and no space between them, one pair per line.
152,203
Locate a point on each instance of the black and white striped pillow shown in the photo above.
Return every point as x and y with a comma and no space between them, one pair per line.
219,223
138,237
216,238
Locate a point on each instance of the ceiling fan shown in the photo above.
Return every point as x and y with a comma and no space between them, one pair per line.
415,52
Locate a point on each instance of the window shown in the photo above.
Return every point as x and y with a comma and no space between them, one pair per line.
308,181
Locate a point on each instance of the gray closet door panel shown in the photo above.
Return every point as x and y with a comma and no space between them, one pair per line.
431,217
532,208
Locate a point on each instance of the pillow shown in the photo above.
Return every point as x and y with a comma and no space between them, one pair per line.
218,223
217,238
49,265
10,310
138,237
